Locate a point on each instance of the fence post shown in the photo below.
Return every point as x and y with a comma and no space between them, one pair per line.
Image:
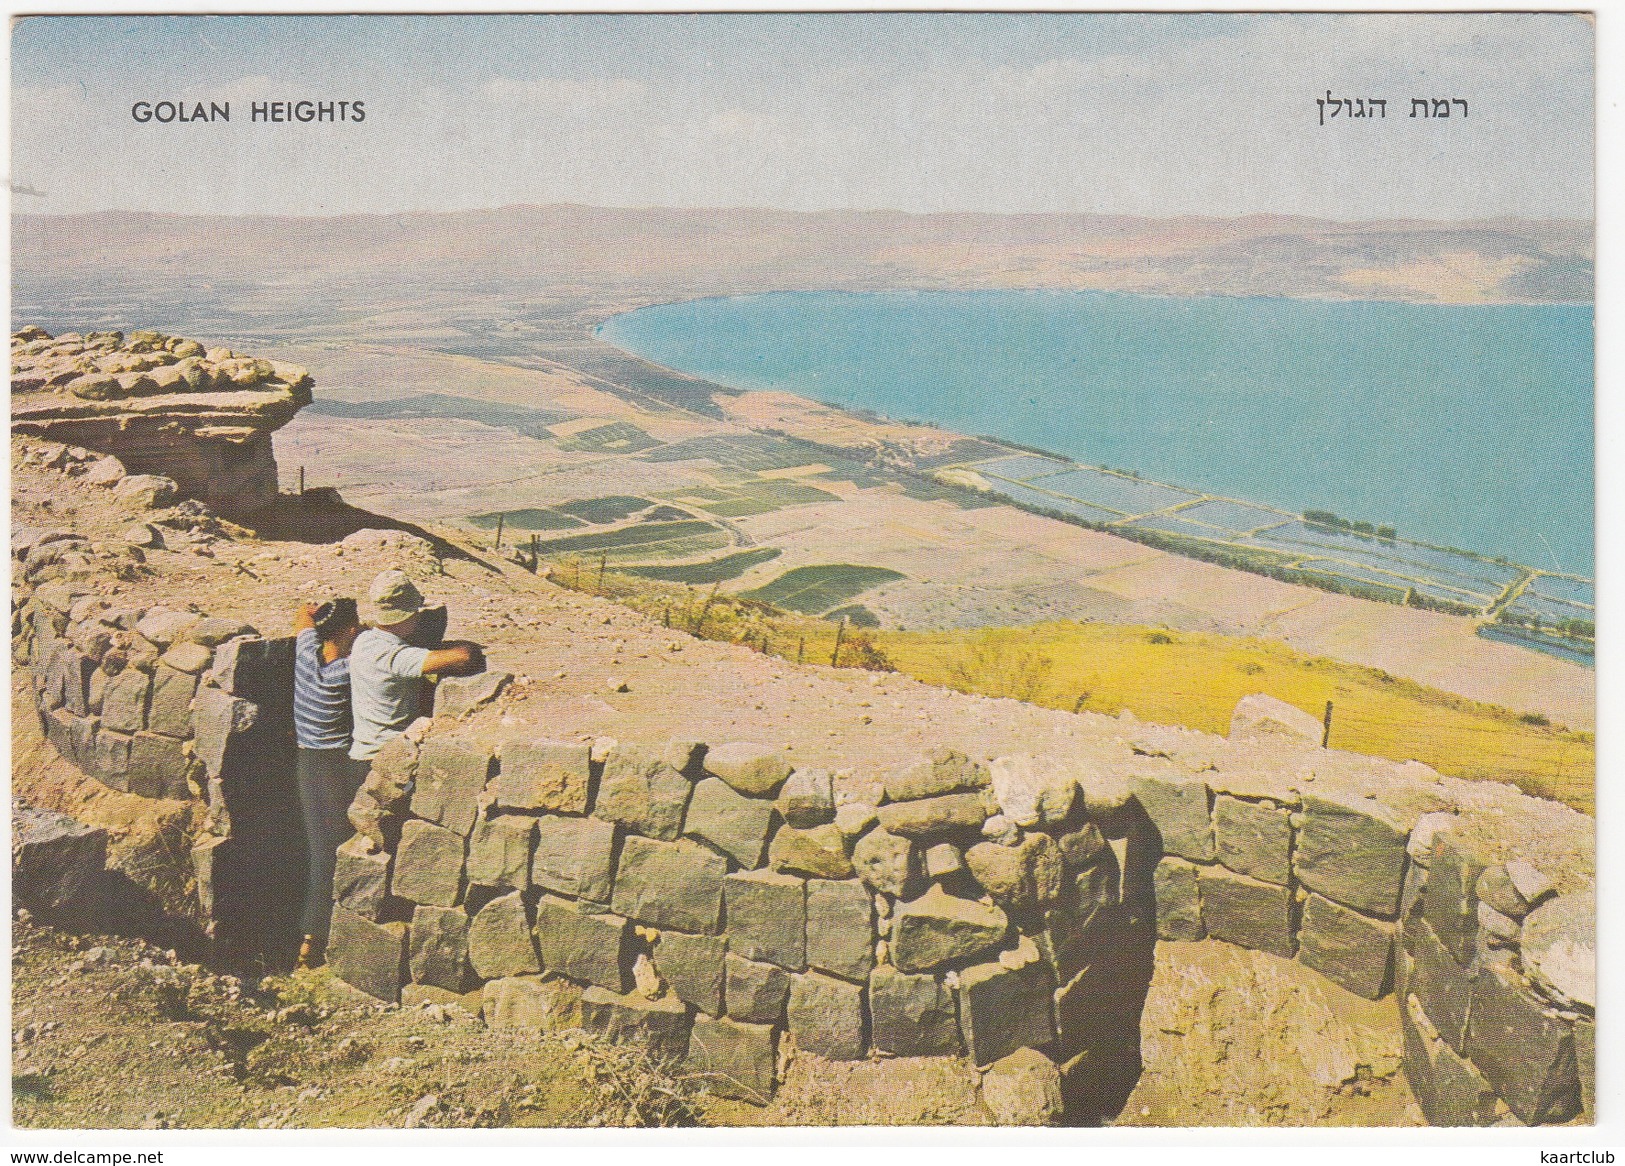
840,634
1326,732
301,481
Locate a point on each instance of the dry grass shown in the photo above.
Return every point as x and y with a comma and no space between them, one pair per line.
1195,679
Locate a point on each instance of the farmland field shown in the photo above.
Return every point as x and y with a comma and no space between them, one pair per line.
710,571
812,590
628,537
612,508
529,518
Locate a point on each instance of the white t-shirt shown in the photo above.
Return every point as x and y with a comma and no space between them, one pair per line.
386,676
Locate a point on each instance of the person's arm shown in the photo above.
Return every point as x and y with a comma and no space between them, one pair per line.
459,658
304,617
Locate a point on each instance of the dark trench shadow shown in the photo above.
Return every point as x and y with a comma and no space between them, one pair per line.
323,516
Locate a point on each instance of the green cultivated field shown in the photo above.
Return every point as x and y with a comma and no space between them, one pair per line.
612,508
531,518
813,590
710,571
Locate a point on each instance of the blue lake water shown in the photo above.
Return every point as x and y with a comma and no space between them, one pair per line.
1467,426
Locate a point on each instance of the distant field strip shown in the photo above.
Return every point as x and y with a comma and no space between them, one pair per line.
814,590
641,535
1257,537
711,571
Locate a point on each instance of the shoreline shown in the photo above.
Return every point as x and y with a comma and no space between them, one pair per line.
1490,625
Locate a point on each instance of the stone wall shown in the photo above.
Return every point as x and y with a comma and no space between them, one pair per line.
165,703
713,901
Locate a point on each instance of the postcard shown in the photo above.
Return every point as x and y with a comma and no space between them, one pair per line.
825,569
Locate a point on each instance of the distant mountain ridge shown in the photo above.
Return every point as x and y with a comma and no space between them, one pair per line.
644,254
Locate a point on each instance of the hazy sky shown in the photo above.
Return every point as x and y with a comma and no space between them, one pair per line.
1148,114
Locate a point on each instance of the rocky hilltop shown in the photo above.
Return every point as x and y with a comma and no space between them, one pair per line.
801,882
163,405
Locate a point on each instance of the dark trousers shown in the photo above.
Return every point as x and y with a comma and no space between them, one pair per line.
328,780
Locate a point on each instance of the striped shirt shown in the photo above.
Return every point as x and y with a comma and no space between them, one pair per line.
321,696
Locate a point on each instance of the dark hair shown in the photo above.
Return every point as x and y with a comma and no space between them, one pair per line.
336,615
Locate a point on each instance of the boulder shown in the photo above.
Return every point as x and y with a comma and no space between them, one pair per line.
1002,1009
751,769
670,884
574,856
755,992
429,864
826,1016
1450,901
938,928
1559,942
531,1003
1447,1086
887,863
643,793
360,877
499,852
1178,808
368,956
1350,949
733,1059
1523,1048
912,1015
734,823
1019,878
943,771
592,948
807,798
148,491
1253,838
499,939
1352,850
840,928
1023,1089
767,917
437,948
56,861
1265,716
1179,900
457,696
819,851
692,966
657,1027
1033,790
932,817
1247,911
544,775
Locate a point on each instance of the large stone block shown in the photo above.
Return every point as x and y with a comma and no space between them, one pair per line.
1021,877
56,861
1450,901
1023,1089
544,775
946,814
251,666
499,852
1350,949
659,1027
1253,839
1003,1009
826,1016
807,798
1262,717
574,856
158,766
1353,851
218,719
1032,790
170,707
912,1015
456,695
70,676
735,824
110,758
887,863
450,778
1559,944
360,877
1247,911
1523,1048
1179,900
943,771
756,992
766,916
692,967
840,928
590,948
751,769
1444,986
429,864
939,928
818,851
209,859
437,948
499,939
643,793
531,1003
370,957
1450,1090
732,1059
125,701
1178,808
670,884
